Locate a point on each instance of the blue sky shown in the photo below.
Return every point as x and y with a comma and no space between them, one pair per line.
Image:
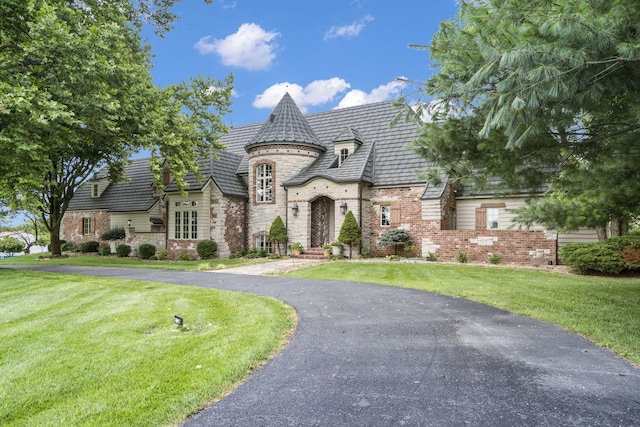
326,54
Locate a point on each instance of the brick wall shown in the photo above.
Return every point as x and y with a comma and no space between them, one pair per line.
235,233
513,246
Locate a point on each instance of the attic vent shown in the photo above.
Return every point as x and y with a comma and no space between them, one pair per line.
272,117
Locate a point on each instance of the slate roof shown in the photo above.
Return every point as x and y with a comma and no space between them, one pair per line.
222,171
133,195
383,159
286,124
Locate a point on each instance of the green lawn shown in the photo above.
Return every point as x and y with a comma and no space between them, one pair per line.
92,351
604,310
93,260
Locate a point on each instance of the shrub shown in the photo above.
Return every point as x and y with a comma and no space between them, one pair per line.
495,258
207,249
610,256
123,250
184,256
146,251
11,245
432,257
116,233
462,257
350,231
395,238
162,255
67,247
104,250
278,233
91,246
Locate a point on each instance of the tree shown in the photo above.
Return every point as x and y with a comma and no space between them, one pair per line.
350,232
541,95
396,237
78,96
10,245
278,233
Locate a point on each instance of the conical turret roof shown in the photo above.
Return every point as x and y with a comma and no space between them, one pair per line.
287,125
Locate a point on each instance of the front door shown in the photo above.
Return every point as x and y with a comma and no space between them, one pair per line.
320,221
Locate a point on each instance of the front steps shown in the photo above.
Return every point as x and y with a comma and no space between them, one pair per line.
312,253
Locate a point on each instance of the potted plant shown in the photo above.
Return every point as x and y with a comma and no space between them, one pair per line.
296,248
336,248
326,249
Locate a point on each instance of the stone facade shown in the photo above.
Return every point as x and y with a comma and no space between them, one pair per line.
72,226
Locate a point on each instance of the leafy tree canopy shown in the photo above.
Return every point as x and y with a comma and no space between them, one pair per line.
537,93
77,96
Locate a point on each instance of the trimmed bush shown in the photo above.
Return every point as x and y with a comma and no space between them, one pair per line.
67,247
462,257
611,256
184,256
104,250
495,258
146,251
207,249
162,255
123,250
87,247
116,233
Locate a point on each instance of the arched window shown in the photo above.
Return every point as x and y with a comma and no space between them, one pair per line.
344,154
264,183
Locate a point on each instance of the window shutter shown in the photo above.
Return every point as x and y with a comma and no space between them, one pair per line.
481,218
395,215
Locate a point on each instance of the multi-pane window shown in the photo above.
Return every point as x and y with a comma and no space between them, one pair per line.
493,217
186,220
263,243
385,215
264,183
86,226
344,154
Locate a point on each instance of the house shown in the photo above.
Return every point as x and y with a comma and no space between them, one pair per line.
310,170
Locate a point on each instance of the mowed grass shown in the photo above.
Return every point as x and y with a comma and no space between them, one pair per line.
100,352
602,309
93,260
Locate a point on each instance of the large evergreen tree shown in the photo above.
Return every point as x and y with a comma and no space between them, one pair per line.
536,93
77,95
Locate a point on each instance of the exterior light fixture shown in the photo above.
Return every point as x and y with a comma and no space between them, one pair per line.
294,208
178,320
129,222
343,208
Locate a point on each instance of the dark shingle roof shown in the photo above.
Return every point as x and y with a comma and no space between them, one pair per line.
286,124
384,158
222,171
133,195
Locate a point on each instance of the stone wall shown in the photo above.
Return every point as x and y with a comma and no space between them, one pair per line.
235,236
72,230
136,238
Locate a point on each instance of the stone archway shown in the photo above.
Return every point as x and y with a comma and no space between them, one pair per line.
321,214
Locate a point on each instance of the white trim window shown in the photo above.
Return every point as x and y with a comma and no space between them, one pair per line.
185,220
264,183
385,215
344,155
493,218
263,243
86,226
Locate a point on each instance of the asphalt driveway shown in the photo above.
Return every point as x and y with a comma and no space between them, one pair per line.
370,355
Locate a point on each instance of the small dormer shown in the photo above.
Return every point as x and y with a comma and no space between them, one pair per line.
98,185
346,143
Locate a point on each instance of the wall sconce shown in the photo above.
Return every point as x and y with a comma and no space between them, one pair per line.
129,222
343,208
294,208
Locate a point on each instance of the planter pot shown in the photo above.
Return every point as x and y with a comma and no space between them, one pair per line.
297,252
336,250
326,252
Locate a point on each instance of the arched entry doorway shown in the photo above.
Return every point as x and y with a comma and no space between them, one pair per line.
321,221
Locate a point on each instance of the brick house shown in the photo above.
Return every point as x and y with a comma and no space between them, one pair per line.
310,170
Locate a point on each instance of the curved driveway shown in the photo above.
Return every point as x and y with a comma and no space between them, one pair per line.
370,355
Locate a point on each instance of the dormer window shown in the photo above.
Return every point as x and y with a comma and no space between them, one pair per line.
344,154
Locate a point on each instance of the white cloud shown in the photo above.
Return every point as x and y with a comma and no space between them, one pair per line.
251,47
227,5
384,92
350,30
315,93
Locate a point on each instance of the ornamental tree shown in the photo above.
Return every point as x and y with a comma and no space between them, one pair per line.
278,233
78,96
396,237
542,95
350,232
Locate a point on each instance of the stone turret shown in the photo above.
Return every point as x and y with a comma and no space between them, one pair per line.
284,145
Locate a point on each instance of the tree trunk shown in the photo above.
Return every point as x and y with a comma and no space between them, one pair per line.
602,233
